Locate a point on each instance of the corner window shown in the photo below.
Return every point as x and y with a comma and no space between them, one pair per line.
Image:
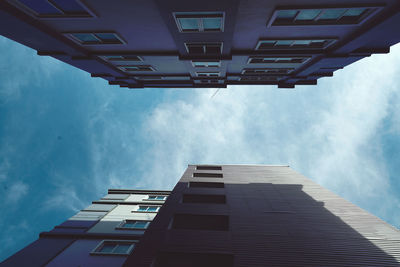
114,247
148,208
156,198
133,224
278,71
56,8
206,63
294,44
98,38
199,21
278,60
320,16
204,48
136,68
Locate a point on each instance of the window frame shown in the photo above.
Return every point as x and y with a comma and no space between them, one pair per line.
288,71
369,11
63,14
124,68
208,74
146,211
329,41
99,246
120,226
204,46
199,16
206,65
303,58
148,197
70,35
112,60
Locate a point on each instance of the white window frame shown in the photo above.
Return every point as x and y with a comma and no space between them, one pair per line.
146,211
205,65
199,16
71,36
121,225
148,198
328,42
96,251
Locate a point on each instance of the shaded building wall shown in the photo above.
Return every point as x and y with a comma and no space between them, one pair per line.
272,216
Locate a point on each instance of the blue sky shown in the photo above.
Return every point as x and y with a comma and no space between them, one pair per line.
65,138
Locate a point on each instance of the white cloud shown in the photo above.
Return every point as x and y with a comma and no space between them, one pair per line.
328,132
16,191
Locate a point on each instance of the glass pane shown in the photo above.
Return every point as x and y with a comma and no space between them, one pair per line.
308,14
354,12
212,23
85,37
69,6
302,42
143,208
160,198
122,248
107,248
213,49
152,208
107,37
286,14
189,24
128,225
142,225
41,7
317,43
213,64
284,43
332,14
152,197
114,57
199,64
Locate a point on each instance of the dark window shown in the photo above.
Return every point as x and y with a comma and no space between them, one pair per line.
56,8
122,58
206,185
204,48
278,71
136,68
209,167
207,74
134,225
320,16
114,247
294,44
196,198
201,222
206,175
199,21
86,38
181,259
262,60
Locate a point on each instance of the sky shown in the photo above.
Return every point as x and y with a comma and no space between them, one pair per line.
65,138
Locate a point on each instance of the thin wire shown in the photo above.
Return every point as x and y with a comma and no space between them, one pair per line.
215,93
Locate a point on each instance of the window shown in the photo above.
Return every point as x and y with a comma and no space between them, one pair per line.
157,198
197,198
320,16
122,58
114,247
185,259
98,38
56,8
147,208
259,78
201,222
136,68
204,48
264,60
209,167
209,81
207,74
208,175
206,185
199,21
206,63
133,224
279,71
294,44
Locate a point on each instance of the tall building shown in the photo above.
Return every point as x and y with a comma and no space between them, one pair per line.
208,43
220,216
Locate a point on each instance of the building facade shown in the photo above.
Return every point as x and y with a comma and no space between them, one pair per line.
103,234
220,216
177,43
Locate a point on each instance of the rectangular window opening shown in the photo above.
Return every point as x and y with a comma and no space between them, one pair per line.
207,175
209,167
204,48
206,185
114,247
199,21
134,225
